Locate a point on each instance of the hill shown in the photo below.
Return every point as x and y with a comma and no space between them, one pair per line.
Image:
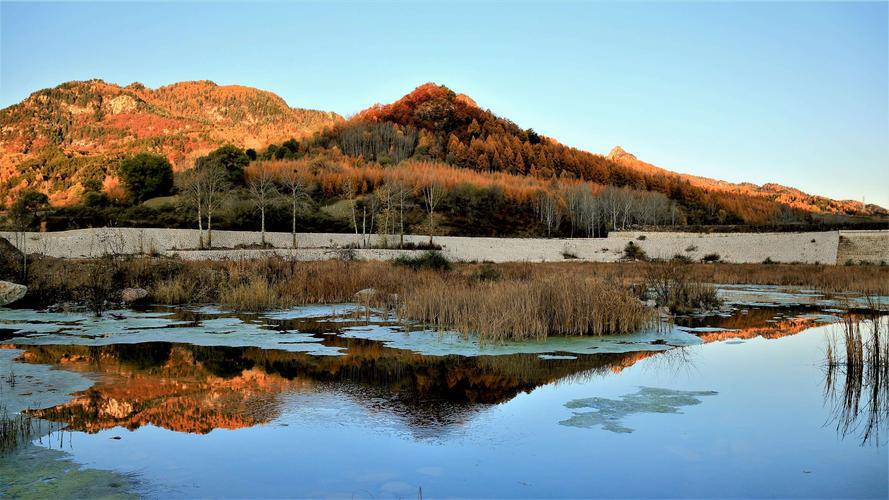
785,195
69,140
58,140
451,127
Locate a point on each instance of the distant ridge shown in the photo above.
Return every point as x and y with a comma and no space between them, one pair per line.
94,119
69,139
785,195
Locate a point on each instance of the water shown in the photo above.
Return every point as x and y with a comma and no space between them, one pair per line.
739,411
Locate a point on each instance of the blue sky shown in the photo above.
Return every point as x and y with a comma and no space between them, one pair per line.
795,93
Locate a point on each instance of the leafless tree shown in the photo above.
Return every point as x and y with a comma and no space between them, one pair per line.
549,210
193,193
348,189
433,193
298,191
215,184
263,191
402,197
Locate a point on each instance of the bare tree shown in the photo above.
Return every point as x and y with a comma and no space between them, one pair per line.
215,182
263,191
549,210
193,193
433,193
401,194
298,191
348,188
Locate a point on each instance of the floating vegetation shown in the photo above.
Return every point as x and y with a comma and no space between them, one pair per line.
856,382
609,413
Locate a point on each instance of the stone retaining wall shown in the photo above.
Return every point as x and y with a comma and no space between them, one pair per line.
810,247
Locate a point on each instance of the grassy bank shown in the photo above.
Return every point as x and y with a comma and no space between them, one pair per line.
498,301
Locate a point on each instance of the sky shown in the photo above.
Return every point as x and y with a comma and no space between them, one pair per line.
795,93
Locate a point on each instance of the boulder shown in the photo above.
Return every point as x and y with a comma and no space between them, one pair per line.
133,294
11,292
10,260
365,294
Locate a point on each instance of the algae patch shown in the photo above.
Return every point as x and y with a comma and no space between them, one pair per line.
609,413
35,472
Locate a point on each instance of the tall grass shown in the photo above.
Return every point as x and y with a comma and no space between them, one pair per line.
860,356
14,430
516,300
518,310
673,286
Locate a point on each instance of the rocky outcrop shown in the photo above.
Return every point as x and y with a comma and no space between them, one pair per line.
10,260
11,292
130,295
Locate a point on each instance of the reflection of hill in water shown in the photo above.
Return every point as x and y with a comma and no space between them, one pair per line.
188,388
197,389
769,323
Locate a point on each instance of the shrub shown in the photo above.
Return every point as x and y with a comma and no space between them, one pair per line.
711,257
674,287
768,261
427,260
681,259
634,252
487,272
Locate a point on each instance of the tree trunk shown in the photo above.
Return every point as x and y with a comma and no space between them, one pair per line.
293,230
200,229
262,217
431,226
401,228
209,230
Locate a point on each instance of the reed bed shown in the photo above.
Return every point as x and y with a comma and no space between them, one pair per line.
515,300
860,358
14,430
519,310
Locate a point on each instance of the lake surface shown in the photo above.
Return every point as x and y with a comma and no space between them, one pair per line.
328,402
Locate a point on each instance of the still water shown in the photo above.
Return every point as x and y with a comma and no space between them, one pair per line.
349,406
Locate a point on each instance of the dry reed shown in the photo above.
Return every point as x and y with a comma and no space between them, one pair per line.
518,310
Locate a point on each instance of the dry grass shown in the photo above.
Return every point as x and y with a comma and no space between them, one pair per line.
673,286
517,310
516,300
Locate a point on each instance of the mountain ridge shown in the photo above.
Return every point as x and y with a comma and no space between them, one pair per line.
68,139
785,195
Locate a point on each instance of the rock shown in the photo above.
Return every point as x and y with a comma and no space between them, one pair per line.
133,294
10,260
366,294
11,292
650,303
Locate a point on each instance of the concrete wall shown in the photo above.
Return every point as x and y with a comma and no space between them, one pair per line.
863,246
814,247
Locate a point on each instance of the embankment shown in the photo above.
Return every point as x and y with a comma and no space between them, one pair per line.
829,247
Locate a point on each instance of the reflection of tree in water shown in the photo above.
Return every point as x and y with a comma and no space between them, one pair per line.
856,384
191,388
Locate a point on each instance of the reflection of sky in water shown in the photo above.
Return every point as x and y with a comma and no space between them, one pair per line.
763,434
